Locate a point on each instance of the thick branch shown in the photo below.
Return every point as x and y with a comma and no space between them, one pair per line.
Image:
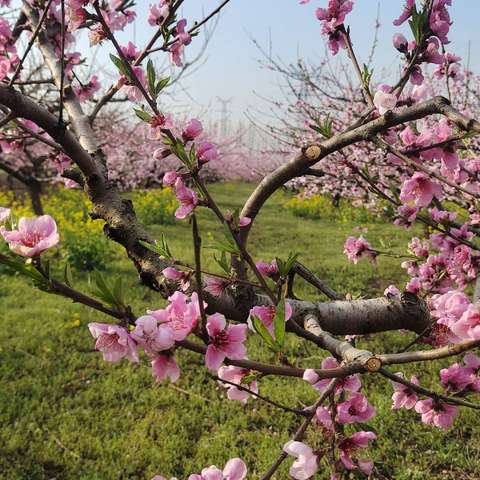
361,317
312,154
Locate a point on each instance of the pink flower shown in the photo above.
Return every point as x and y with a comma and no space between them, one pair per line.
420,190
235,375
193,129
384,100
170,178
86,91
306,463
391,291
351,383
236,221
468,327
235,469
114,342
404,397
455,378
472,362
176,52
165,366
215,286
206,152
400,42
349,445
356,248
323,417
34,235
332,18
184,37
268,269
407,12
130,52
130,90
355,409
151,336
158,13
4,214
181,316
436,413
183,278
160,122
225,341
450,306
408,214
266,314
187,197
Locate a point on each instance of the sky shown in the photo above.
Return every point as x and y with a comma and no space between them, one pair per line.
230,67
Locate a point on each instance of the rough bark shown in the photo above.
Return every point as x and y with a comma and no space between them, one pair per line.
361,317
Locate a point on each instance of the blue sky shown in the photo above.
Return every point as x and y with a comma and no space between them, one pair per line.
231,68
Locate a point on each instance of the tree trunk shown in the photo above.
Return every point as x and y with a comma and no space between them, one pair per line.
34,188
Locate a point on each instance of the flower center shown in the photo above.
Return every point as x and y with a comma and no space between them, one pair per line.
107,340
220,338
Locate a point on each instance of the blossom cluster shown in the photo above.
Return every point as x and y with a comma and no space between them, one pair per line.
349,408
458,380
158,331
9,58
235,469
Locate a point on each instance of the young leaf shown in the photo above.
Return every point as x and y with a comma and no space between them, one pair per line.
279,323
142,115
161,85
161,247
118,291
67,275
103,291
223,263
26,270
260,328
151,77
118,62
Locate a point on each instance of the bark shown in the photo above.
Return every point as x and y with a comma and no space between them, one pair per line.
361,317
34,188
312,154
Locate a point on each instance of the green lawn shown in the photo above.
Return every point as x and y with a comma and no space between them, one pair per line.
66,414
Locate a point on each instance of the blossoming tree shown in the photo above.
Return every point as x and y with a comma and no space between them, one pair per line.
213,313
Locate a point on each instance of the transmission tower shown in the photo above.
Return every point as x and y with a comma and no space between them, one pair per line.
224,115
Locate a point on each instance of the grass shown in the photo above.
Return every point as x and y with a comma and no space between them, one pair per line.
66,414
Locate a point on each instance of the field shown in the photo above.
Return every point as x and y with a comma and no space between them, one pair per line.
66,414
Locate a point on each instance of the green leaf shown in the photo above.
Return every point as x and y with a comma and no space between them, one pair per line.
25,269
118,62
103,291
279,323
192,155
118,291
142,115
223,263
223,247
285,267
151,77
161,85
67,275
261,329
160,247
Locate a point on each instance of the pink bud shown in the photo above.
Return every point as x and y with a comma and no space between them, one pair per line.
400,42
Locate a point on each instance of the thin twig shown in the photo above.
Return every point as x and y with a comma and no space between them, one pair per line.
303,428
197,246
30,43
261,397
426,392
